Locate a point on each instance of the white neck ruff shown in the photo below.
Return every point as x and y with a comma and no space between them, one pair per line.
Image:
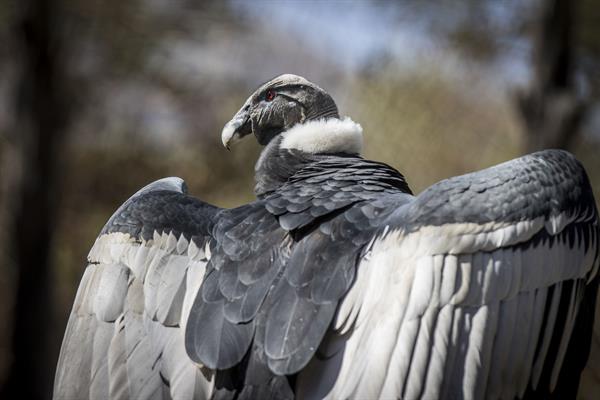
325,136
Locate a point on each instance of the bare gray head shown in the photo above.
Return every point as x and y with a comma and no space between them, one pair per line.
276,106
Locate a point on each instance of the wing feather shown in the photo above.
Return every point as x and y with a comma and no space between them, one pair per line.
532,340
110,292
472,290
124,338
99,378
439,353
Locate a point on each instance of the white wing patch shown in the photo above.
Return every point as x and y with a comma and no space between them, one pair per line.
426,317
133,302
461,238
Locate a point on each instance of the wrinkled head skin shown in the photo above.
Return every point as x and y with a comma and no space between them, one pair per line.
276,106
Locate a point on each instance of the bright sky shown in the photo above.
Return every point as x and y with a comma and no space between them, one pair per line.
353,30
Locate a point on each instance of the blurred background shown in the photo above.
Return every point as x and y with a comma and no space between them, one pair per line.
98,98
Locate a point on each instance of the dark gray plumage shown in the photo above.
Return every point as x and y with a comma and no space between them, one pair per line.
337,282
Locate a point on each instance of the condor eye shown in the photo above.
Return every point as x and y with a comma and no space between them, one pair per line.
270,95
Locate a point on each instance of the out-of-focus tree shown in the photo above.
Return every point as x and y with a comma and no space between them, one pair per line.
558,41
30,168
551,107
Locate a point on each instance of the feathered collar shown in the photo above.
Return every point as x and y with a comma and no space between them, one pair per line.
325,136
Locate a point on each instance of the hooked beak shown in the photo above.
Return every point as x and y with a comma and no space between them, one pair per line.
239,126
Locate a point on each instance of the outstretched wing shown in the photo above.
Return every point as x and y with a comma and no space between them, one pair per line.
483,286
125,335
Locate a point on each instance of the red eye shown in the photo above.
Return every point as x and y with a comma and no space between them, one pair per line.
270,95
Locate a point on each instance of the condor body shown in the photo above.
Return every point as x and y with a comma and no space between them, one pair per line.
338,282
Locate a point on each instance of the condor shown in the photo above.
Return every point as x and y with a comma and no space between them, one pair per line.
338,282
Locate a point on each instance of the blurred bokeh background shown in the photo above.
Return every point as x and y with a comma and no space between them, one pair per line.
98,98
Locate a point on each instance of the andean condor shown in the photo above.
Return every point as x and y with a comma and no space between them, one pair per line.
338,282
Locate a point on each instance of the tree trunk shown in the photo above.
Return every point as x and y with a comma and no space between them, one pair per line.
35,141
550,107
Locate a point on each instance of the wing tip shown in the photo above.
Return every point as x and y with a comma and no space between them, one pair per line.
172,183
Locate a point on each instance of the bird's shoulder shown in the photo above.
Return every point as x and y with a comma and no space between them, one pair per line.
162,206
332,185
542,184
